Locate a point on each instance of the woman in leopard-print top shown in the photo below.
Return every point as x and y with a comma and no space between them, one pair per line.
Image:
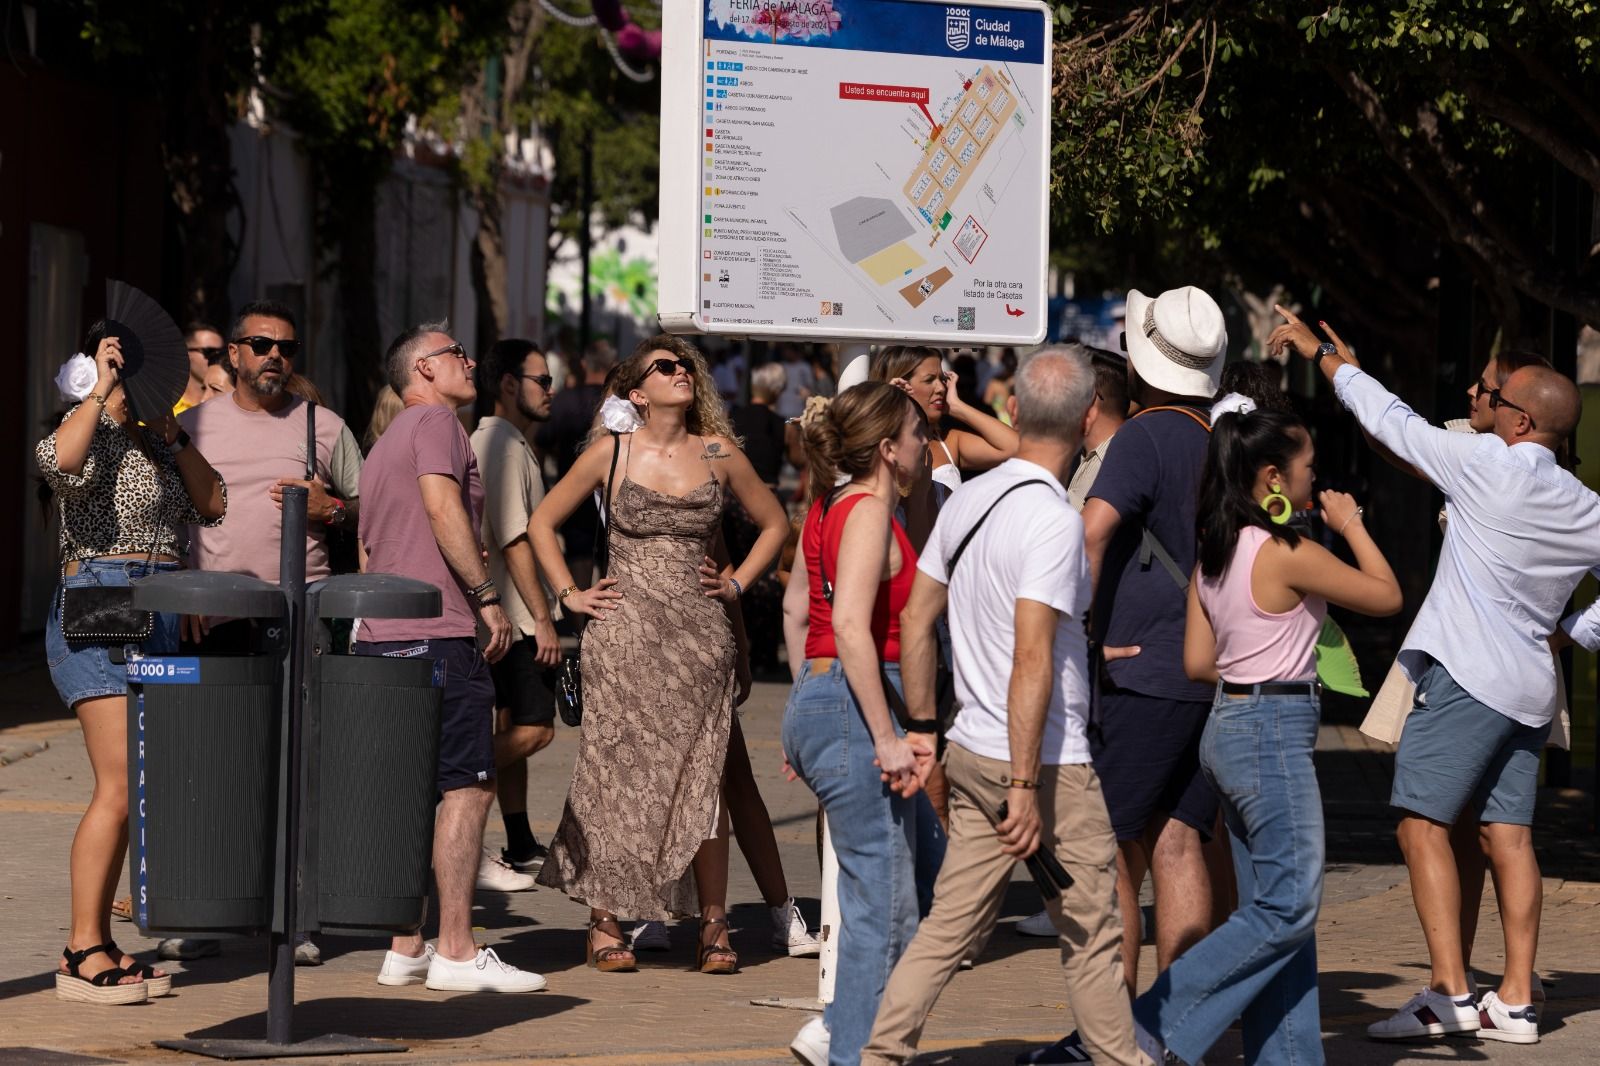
124,491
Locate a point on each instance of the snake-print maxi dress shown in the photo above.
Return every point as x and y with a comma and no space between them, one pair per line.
657,709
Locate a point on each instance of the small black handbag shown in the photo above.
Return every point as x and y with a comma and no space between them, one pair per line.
569,679
104,614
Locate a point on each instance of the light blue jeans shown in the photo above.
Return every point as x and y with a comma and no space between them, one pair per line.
876,836
1261,964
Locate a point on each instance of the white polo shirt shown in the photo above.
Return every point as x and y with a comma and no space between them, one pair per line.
1030,548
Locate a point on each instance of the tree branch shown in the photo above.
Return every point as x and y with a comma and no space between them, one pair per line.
1540,69
1578,158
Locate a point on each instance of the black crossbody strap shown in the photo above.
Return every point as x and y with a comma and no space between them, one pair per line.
950,567
311,440
602,532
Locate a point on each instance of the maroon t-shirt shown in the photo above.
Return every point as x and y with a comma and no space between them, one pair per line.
394,523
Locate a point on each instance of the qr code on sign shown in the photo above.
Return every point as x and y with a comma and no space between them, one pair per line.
966,318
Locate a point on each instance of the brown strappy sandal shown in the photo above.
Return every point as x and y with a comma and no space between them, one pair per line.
613,958
713,957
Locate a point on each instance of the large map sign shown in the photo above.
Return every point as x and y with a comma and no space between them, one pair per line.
856,169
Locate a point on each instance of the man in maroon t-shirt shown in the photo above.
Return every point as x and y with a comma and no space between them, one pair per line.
422,507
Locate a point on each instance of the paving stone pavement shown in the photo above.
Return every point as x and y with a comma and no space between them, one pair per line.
1371,952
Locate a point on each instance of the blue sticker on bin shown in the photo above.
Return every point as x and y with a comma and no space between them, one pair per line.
164,671
438,673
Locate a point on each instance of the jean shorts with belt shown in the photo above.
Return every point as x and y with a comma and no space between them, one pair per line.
85,671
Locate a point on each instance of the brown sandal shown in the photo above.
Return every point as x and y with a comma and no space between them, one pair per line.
613,958
713,957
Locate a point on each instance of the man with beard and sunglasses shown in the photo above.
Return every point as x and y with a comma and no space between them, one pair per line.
259,434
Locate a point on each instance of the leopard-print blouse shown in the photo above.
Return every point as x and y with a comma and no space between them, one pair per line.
120,503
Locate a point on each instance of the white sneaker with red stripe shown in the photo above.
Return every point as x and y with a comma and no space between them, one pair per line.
1428,1013
1514,1025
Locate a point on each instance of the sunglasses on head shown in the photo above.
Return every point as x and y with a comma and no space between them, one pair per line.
263,345
667,367
212,354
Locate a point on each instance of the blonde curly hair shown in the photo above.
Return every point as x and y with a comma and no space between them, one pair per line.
706,416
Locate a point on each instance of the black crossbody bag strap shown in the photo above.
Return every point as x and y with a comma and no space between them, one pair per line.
897,703
602,532
955,557
311,440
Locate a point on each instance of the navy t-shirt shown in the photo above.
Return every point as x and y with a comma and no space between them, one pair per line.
1152,477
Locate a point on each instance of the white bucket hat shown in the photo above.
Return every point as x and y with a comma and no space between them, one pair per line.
1177,341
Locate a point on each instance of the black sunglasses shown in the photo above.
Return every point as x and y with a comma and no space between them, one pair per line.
450,349
212,354
666,367
1496,400
263,345
544,381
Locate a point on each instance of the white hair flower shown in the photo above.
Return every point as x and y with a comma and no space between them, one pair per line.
1232,404
75,380
619,416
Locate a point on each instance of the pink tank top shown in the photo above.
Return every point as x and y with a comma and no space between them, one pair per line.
1255,646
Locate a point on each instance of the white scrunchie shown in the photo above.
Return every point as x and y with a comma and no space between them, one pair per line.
76,378
619,416
1232,404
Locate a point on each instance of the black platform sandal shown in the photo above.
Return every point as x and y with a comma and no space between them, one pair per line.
159,984
105,988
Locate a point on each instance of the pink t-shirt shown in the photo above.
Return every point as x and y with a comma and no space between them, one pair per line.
252,450
1256,646
394,523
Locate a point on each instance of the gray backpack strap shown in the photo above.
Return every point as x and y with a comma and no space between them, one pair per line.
1150,547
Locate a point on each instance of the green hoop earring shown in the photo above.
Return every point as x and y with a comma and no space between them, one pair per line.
1273,498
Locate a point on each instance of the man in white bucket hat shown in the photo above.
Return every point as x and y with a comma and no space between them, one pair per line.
1139,524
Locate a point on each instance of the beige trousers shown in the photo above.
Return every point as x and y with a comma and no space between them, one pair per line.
967,898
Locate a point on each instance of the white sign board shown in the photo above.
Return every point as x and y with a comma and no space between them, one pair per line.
855,169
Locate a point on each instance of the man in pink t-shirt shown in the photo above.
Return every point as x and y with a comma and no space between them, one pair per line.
422,507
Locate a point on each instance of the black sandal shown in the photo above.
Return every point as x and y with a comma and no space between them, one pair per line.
159,984
713,958
105,988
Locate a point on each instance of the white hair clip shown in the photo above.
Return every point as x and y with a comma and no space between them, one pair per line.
76,378
1232,404
620,416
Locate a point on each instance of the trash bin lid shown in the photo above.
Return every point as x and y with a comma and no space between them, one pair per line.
373,596
209,592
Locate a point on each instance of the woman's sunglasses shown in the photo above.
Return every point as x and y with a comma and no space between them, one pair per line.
263,345
667,367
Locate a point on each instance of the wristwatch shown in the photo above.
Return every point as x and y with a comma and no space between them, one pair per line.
338,515
178,443
1326,349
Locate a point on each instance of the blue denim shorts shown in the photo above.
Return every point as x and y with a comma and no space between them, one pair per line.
85,671
1459,756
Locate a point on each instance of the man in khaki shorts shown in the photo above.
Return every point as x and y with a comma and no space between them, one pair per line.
1016,607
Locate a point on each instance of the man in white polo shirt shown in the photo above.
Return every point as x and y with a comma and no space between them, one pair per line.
1007,557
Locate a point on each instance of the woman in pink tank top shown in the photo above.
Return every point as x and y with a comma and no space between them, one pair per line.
1256,605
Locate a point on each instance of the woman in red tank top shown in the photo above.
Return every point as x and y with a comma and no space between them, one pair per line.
849,585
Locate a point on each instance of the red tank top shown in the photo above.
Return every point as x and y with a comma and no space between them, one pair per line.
820,539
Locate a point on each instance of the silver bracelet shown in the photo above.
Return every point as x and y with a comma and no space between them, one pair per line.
1352,518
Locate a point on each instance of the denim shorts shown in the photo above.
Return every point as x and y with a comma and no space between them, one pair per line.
1459,756
85,671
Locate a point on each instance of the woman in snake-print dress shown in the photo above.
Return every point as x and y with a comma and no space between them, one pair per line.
643,811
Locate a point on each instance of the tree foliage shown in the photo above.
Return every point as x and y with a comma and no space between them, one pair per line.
1345,143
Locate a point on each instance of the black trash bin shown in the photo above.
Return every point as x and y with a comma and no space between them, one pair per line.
203,736
370,766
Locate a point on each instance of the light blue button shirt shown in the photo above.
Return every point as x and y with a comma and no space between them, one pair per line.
1521,534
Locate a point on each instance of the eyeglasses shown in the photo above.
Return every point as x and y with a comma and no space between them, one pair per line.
667,367
544,381
263,345
212,354
451,349
1496,400
1483,388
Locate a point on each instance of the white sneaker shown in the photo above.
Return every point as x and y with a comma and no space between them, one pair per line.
496,875
1514,1025
401,969
306,952
789,932
649,936
1037,925
810,1044
1428,1013
483,973
187,949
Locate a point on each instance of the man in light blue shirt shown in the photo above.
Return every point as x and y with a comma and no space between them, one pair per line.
1522,532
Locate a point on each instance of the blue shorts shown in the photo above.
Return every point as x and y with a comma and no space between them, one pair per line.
85,671
466,721
1458,755
1146,751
